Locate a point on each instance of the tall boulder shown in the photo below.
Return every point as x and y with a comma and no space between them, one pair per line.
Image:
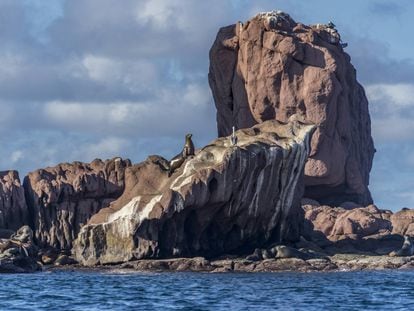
272,67
227,198
13,209
61,199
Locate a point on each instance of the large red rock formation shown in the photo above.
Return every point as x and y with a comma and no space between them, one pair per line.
272,67
13,209
225,199
61,199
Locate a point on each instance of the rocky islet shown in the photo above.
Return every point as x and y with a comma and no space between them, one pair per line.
304,134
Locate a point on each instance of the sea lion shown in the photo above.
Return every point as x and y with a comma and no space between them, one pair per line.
256,256
179,159
164,164
406,250
175,163
282,251
23,235
188,149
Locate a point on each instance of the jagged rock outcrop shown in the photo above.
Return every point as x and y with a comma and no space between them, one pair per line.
354,229
338,223
353,221
403,222
272,67
19,253
61,199
13,209
223,199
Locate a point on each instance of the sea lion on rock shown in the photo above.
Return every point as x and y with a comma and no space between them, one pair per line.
282,251
406,250
164,164
175,163
267,255
256,256
188,149
179,159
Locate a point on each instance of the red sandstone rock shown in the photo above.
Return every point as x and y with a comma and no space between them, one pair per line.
61,199
336,223
271,68
403,222
224,199
361,222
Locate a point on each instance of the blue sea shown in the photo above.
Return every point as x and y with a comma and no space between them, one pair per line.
117,290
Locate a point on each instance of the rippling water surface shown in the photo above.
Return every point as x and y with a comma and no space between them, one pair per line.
80,290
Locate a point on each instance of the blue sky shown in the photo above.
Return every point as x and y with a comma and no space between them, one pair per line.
83,79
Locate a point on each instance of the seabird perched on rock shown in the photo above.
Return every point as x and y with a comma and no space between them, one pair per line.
233,137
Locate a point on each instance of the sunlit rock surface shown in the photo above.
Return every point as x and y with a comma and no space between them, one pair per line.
61,199
224,199
338,223
272,67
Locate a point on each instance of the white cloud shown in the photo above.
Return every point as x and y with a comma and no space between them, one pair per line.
158,12
168,113
10,65
16,156
391,106
107,147
134,75
97,115
101,68
395,96
196,95
392,129
6,114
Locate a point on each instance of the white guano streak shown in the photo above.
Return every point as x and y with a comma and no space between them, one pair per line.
130,210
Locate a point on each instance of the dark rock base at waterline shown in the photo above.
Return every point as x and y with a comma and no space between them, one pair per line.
339,262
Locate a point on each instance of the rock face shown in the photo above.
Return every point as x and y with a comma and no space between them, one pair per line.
61,199
271,68
223,199
403,222
13,209
339,223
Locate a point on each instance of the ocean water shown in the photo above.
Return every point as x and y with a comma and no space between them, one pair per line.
80,290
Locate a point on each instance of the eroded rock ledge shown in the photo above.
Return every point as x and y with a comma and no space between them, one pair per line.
226,198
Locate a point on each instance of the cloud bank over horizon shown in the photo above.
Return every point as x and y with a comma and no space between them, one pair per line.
85,79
